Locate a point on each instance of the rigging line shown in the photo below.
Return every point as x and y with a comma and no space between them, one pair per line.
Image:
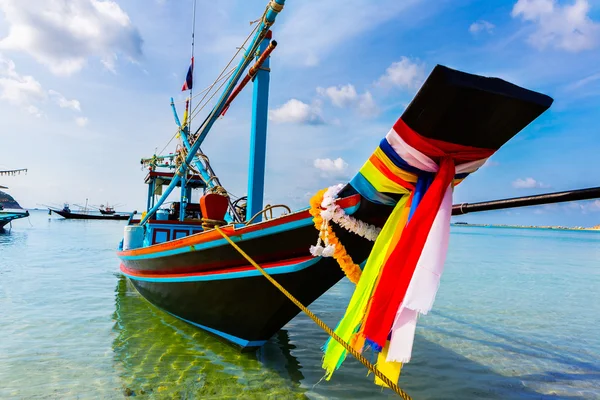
230,61
228,74
196,112
252,50
170,140
210,98
206,88
245,63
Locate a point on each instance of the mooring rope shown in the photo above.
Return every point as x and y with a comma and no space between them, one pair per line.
318,321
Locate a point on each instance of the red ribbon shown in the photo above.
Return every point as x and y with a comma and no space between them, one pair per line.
400,266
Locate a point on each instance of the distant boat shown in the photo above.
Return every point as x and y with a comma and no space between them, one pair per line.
68,214
10,210
107,210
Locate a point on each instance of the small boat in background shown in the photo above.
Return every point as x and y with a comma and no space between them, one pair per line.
107,209
86,214
10,210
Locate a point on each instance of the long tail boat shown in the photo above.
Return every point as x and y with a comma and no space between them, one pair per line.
10,209
181,264
68,214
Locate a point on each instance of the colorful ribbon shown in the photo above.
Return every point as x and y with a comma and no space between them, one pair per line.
402,274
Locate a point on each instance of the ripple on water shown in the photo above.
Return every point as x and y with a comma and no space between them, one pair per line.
515,318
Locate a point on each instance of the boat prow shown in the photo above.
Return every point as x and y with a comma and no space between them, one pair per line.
195,275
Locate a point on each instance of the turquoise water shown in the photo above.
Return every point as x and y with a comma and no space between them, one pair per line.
517,316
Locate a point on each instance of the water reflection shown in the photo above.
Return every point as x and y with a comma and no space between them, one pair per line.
157,355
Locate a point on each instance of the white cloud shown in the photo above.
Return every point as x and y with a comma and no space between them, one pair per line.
481,26
331,168
405,74
33,110
81,121
346,96
342,96
63,34
584,82
367,106
307,45
565,27
528,183
297,112
62,102
19,90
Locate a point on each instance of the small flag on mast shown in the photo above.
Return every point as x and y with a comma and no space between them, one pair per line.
188,79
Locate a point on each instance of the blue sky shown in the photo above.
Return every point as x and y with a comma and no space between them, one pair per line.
85,88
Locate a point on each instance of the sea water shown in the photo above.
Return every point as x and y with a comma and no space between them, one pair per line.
517,316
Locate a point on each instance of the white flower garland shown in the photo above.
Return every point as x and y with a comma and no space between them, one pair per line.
333,212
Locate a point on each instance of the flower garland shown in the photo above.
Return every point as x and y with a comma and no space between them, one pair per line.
323,208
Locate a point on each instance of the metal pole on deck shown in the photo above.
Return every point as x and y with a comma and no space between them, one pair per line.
534,200
258,138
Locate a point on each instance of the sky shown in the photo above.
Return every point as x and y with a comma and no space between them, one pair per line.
85,88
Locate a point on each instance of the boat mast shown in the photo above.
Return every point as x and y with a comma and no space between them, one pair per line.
258,135
189,125
185,192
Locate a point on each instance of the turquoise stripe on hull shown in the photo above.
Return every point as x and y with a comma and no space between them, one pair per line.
234,339
286,269
246,236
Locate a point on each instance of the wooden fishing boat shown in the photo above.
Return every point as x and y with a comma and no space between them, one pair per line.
68,214
106,209
10,209
179,263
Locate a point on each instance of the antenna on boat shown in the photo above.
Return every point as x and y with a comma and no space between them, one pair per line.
190,116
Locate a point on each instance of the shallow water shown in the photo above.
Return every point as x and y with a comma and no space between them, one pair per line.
516,317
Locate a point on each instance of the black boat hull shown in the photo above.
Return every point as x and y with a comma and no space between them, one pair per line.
216,290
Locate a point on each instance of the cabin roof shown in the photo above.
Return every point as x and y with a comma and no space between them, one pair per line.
164,178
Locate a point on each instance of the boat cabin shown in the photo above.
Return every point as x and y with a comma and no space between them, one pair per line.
180,219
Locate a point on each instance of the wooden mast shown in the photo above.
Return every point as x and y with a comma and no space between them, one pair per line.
258,136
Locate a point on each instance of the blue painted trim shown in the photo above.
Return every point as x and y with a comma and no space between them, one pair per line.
395,158
183,199
234,339
423,182
287,269
352,210
246,236
175,113
362,264
368,191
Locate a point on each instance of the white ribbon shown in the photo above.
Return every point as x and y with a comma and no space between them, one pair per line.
425,281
